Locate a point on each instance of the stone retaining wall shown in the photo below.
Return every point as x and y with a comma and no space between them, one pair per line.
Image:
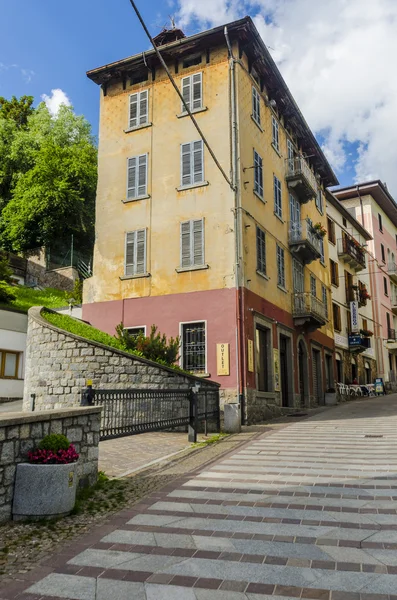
21,432
59,363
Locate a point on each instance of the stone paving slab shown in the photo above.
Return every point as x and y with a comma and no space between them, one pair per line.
227,532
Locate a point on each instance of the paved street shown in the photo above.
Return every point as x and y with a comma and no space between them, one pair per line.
306,511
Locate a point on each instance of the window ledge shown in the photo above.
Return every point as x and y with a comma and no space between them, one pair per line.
192,186
262,275
193,112
256,123
261,198
127,200
137,127
202,375
280,287
194,268
278,217
276,150
139,276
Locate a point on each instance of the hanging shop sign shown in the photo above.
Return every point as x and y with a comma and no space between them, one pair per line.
222,359
250,356
355,322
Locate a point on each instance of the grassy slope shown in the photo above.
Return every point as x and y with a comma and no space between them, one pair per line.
27,297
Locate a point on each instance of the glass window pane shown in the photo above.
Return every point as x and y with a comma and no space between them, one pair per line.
10,365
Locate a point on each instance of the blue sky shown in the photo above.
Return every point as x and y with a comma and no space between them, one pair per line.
345,86
60,41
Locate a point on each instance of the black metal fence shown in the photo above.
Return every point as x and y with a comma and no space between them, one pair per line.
129,412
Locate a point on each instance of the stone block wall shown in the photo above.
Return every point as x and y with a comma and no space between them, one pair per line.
59,363
21,432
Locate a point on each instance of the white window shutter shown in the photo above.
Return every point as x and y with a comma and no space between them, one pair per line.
186,178
140,251
133,110
186,92
185,245
198,170
129,253
197,90
142,175
198,242
132,177
143,107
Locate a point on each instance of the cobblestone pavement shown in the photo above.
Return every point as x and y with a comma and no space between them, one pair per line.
304,511
120,456
11,406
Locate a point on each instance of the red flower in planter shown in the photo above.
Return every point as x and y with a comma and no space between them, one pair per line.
50,457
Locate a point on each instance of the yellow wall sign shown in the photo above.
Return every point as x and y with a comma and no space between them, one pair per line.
222,359
276,370
251,356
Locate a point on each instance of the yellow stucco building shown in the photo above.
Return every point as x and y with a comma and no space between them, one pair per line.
234,263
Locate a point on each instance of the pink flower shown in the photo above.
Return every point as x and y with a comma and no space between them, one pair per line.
43,457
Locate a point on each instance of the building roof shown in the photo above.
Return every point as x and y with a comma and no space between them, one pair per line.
331,199
377,190
250,42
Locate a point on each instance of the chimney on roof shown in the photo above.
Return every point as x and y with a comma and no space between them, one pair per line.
169,35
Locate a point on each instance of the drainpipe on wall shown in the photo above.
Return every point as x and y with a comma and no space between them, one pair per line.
237,230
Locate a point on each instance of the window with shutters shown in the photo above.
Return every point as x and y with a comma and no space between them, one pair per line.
192,92
275,134
385,289
324,297
313,286
260,251
256,106
349,287
321,244
331,231
135,253
278,208
280,267
258,175
334,268
139,109
380,222
319,200
9,364
193,337
192,163
336,317
192,243
137,177
382,253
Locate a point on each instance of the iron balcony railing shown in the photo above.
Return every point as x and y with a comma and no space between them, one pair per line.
392,270
303,231
296,167
391,334
305,304
349,248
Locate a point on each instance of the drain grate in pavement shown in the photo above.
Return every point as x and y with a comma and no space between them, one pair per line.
373,436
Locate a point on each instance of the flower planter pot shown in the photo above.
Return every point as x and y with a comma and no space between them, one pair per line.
44,490
330,398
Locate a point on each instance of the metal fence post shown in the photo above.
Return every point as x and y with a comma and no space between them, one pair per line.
192,431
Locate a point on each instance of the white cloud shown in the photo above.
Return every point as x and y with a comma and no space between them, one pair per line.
55,100
338,59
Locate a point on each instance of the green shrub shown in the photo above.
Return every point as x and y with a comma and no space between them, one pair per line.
5,271
153,347
54,442
6,295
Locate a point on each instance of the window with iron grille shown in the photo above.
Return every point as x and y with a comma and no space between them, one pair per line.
256,106
258,175
260,251
336,317
192,243
275,134
135,331
193,347
334,267
137,177
192,163
192,91
280,267
325,299
278,208
135,253
139,109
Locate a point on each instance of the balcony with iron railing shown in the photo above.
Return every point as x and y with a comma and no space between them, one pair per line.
301,179
393,301
391,342
308,310
392,270
351,252
304,241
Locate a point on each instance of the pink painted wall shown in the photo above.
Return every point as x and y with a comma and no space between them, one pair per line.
217,307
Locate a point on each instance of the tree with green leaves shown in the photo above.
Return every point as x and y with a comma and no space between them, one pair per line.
17,109
47,189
